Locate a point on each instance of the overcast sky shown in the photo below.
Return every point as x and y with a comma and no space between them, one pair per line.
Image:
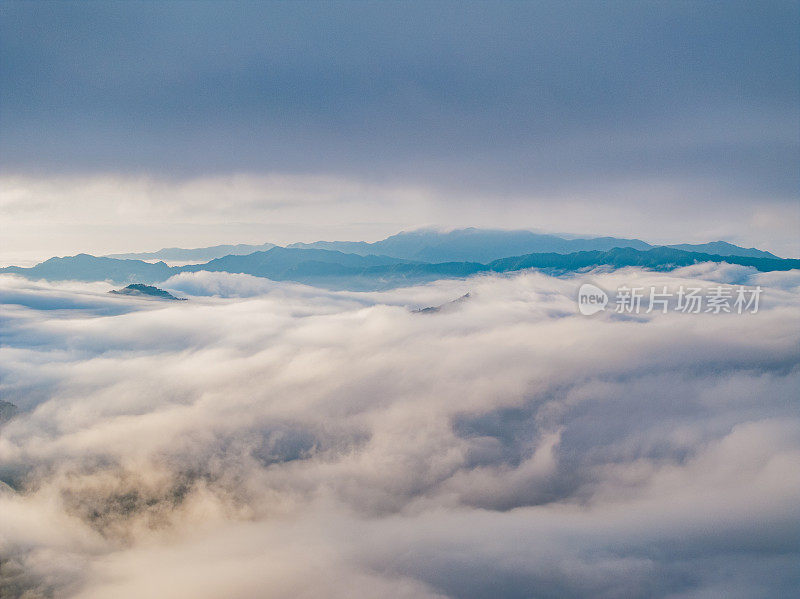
130,126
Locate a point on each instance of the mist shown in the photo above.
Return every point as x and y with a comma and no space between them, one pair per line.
271,439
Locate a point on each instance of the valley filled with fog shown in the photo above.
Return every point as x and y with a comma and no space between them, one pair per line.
270,439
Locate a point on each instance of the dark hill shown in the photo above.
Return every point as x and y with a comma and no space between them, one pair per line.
138,289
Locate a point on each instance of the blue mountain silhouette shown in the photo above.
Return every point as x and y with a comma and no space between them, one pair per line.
339,270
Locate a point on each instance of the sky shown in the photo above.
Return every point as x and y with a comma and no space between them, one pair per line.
132,126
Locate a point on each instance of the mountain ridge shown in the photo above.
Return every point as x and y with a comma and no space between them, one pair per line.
337,270
430,245
485,245
192,254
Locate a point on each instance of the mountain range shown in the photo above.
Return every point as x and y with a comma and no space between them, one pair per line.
336,269
485,245
461,245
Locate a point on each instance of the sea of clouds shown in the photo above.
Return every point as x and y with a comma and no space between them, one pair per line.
269,439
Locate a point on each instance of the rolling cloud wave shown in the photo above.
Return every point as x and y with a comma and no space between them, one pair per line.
269,439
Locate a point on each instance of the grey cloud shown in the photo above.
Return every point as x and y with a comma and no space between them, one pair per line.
530,97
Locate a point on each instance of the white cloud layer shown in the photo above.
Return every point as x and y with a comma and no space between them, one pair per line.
272,440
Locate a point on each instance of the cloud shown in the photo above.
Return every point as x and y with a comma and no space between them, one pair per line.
510,96
276,439
139,125
46,215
